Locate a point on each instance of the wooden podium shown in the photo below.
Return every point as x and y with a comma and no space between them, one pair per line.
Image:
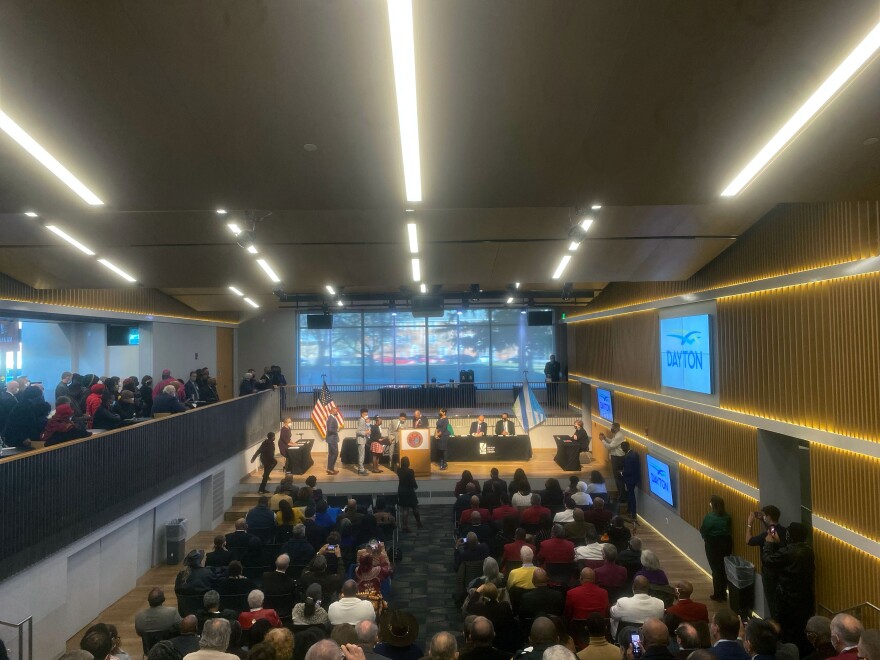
416,443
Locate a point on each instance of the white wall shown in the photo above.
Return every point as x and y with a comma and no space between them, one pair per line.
46,352
266,340
89,343
182,348
123,361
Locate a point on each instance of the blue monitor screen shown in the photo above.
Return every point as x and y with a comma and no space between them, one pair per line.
134,337
686,353
606,411
660,480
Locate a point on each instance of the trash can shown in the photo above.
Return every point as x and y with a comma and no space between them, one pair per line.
175,540
740,584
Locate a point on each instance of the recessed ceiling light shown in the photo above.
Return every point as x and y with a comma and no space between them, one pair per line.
221,211
823,95
509,299
561,267
416,270
30,214
413,234
234,228
268,270
339,302
235,291
330,290
250,302
596,207
573,246
46,159
400,21
308,146
252,248
522,311
75,243
516,285
586,223
423,287
867,143
410,210
117,270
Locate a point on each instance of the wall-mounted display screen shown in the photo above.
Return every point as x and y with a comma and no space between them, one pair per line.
686,353
606,410
660,480
123,335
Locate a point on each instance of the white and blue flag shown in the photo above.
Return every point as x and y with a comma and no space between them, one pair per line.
527,409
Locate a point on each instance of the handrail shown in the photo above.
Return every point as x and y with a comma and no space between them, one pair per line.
848,610
30,635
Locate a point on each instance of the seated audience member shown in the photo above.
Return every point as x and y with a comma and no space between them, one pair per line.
592,550
484,601
818,632
651,569
310,612
381,513
483,531
287,517
463,501
631,557
596,486
304,497
567,514
522,498
846,631
724,631
369,576
684,608
367,638
188,640
284,491
512,550
60,428
219,557
312,484
104,417
276,583
126,407
543,530
215,642
26,419
257,612
350,512
167,401
97,641
638,607
330,581
599,648
542,600
194,578
490,574
506,533
491,499
519,480
619,534
532,515
521,577
461,484
581,497
494,481
212,610
760,640
242,541
158,621
553,495
504,509
586,598
350,608
260,516
557,549
577,530
443,646
688,640
542,635
235,584
325,515
610,576
481,637
315,534
298,548
281,641
398,631
599,516
655,640
470,549
465,516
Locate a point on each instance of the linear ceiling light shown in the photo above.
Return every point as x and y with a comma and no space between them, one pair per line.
826,92
330,290
46,159
252,248
235,291
423,287
561,267
117,270
586,223
268,270
574,245
417,270
413,233
596,207
234,228
509,299
221,211
339,303
400,20
250,302
30,214
516,285
75,243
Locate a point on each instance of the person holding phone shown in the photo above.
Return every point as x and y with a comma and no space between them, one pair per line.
651,641
717,533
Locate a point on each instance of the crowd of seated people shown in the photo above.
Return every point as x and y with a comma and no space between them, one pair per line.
83,402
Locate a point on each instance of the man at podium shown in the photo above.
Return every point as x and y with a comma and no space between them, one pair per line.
479,428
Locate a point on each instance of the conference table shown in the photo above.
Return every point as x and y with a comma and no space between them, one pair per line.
463,448
568,454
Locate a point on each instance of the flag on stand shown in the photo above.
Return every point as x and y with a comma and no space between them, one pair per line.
527,408
321,411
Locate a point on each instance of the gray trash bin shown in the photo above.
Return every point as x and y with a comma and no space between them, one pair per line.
740,584
175,540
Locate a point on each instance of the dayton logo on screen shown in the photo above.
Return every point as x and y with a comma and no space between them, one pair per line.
686,353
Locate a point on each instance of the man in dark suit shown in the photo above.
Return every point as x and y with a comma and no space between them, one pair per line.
483,531
482,634
760,640
504,426
276,582
191,389
419,422
542,600
220,556
479,427
351,512
724,632
632,477
298,549
332,440
243,544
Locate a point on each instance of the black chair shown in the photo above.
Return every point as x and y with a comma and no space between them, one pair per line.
664,592
265,534
189,603
255,573
235,602
337,501
468,571
294,571
560,573
150,639
364,502
271,553
281,603
283,533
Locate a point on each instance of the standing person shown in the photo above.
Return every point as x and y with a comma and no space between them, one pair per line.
146,390
247,384
406,494
716,531
795,565
266,452
362,432
419,422
61,389
631,476
552,373
767,517
377,444
332,440
396,434
442,435
284,439
615,453
191,388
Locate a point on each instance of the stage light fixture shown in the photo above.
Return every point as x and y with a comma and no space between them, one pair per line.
423,287
566,291
596,207
252,248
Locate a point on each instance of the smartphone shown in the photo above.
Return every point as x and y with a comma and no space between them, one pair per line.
771,529
464,539
636,639
331,547
374,546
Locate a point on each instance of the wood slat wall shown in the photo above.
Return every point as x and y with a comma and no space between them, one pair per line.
728,447
846,489
806,355
695,489
615,349
789,239
846,577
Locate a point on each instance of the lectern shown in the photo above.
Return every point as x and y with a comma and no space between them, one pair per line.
416,443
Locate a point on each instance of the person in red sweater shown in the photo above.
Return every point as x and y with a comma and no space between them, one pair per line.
475,506
511,550
684,608
557,549
532,515
257,611
582,601
611,576
501,512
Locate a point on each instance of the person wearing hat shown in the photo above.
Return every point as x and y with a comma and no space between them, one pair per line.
194,578
398,631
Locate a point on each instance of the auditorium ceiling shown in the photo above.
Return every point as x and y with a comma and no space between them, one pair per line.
528,111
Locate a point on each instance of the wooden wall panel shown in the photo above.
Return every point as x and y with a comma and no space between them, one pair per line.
807,355
845,577
728,447
846,489
695,489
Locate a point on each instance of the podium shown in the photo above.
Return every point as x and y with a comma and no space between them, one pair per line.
416,443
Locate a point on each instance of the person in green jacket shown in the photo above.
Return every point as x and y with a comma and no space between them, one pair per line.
717,533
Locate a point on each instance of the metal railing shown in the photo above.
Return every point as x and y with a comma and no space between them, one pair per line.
57,495
20,637
867,613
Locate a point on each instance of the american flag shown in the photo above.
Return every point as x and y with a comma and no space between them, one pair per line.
321,411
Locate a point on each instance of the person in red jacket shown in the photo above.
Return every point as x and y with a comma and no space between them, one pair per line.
257,611
684,608
532,515
557,549
475,506
501,512
582,601
511,550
